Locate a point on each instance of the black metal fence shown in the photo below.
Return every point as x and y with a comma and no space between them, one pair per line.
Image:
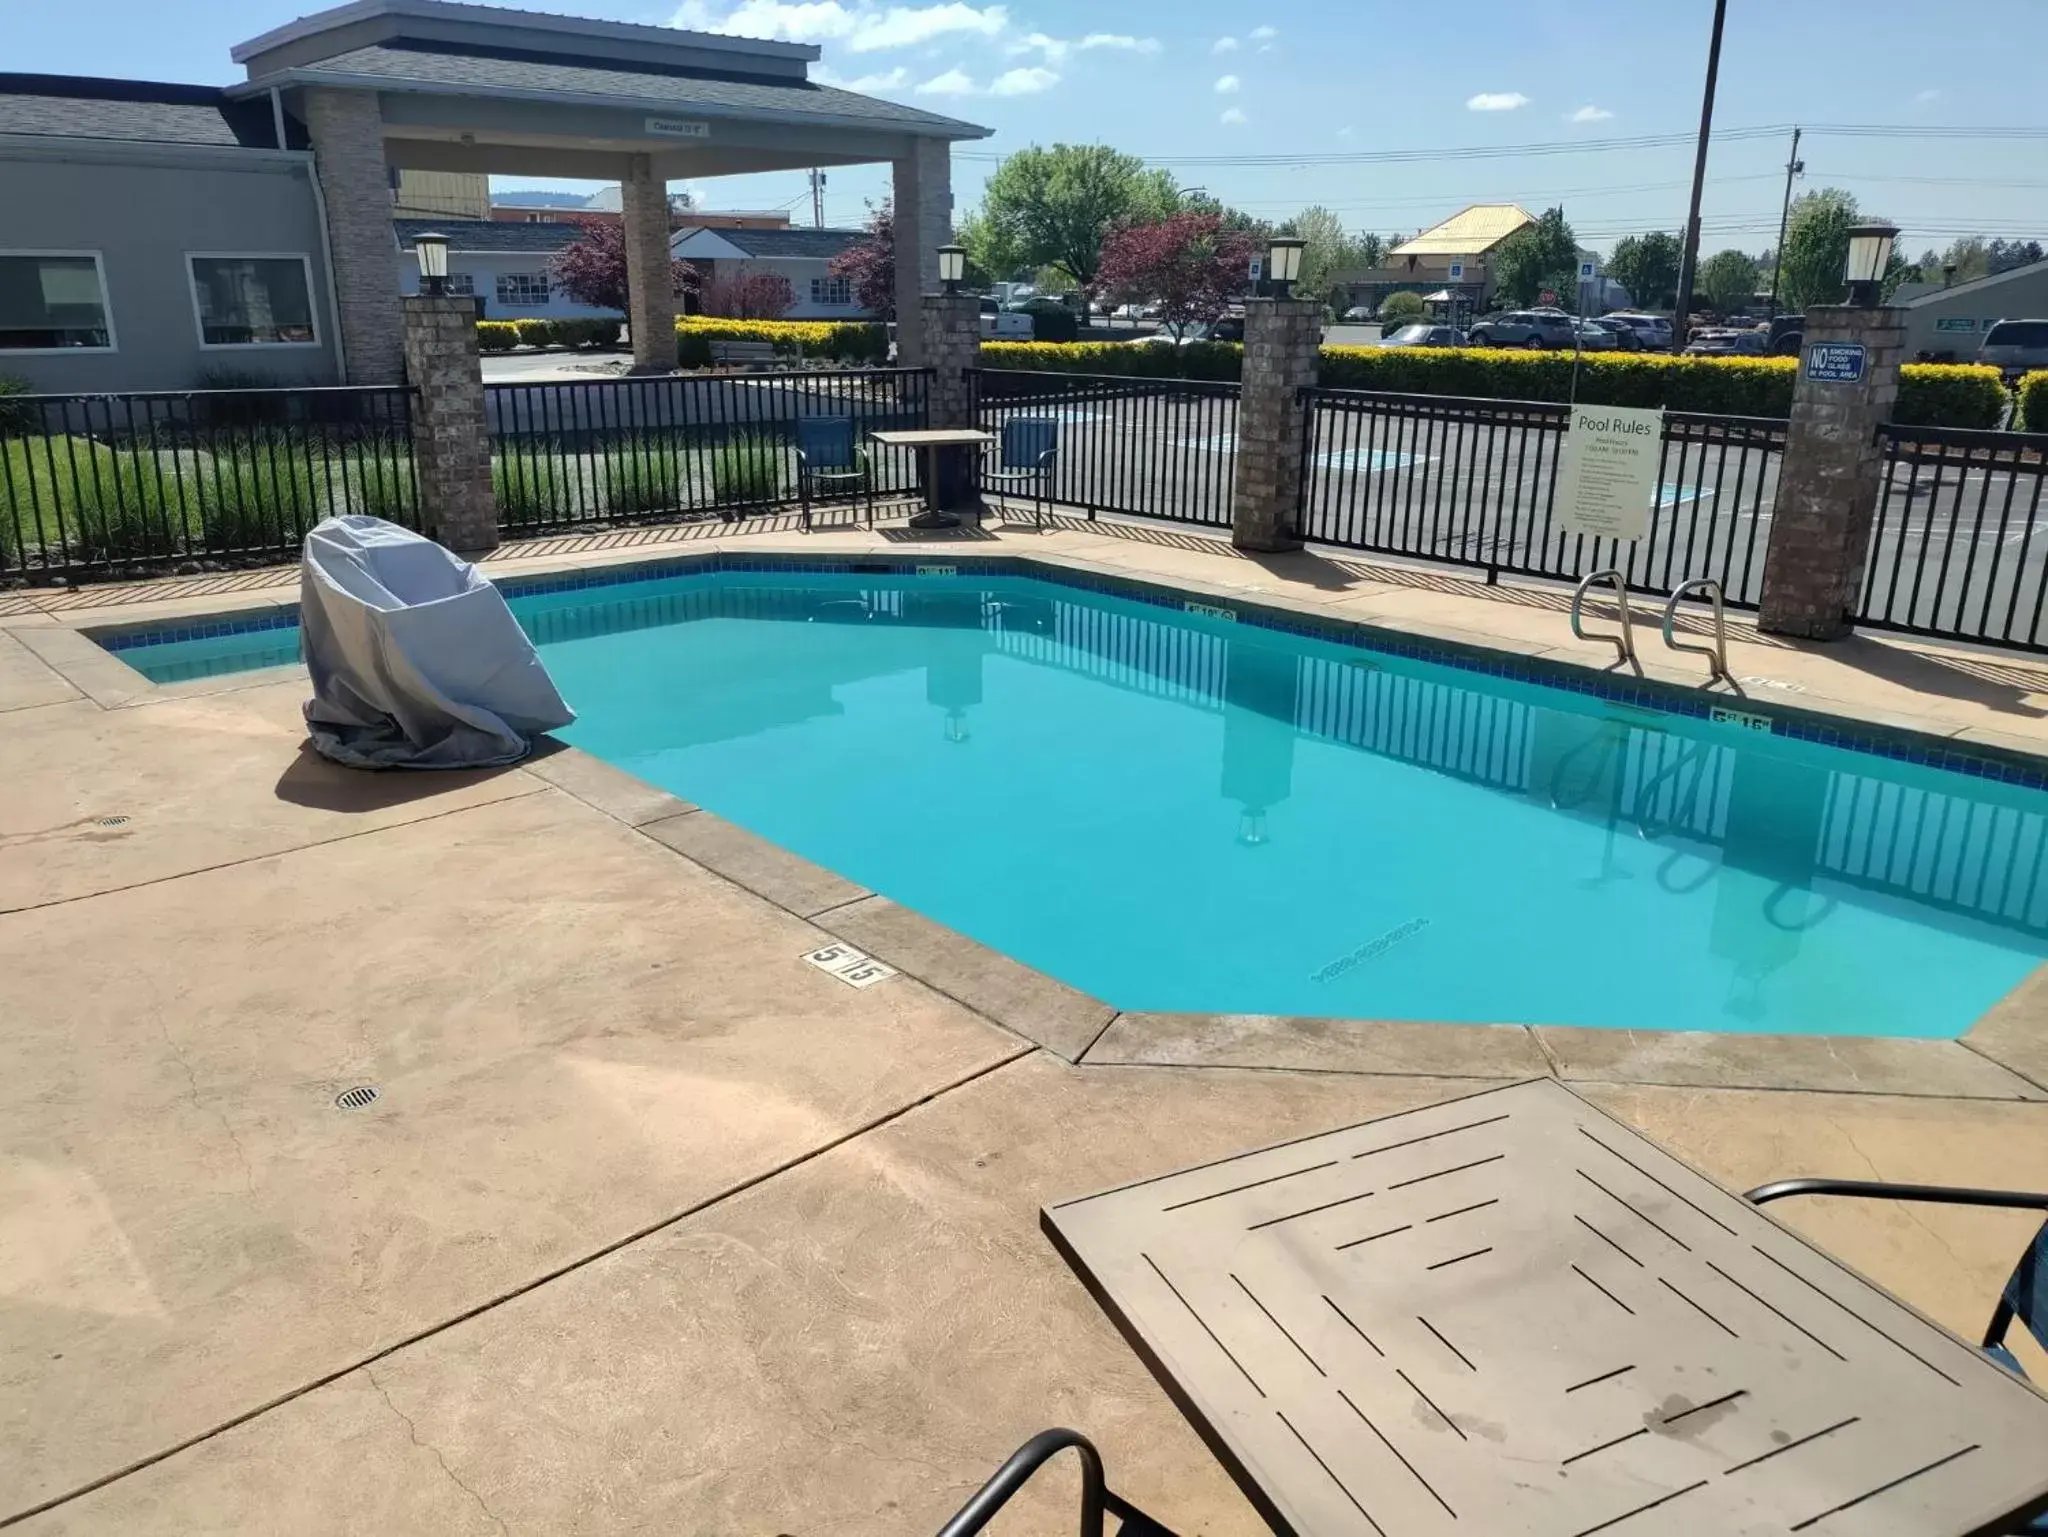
1959,547
1152,448
93,485
1473,482
572,454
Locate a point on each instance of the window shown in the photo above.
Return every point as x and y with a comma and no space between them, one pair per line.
53,301
523,289
838,291
253,301
2018,333
462,285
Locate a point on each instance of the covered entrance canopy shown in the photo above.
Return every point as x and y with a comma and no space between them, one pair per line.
437,86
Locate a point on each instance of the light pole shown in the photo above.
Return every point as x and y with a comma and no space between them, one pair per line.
1870,253
1283,264
952,267
1689,252
432,254
1793,167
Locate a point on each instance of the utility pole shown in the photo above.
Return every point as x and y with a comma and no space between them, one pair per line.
1689,254
817,199
1793,167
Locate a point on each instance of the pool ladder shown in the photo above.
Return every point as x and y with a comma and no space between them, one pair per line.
1624,640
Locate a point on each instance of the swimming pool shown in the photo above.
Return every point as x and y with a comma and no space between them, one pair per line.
1179,813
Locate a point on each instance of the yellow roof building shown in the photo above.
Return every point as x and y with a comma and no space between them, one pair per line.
1471,232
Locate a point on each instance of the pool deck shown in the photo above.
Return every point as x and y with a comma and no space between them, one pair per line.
655,1227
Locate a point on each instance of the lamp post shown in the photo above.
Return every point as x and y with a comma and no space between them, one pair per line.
1870,253
432,252
1283,264
952,267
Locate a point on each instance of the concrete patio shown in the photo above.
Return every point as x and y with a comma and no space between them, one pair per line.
653,1226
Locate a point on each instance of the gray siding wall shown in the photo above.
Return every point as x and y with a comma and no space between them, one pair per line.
2021,297
143,215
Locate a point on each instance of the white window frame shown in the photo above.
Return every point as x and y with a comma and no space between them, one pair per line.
99,263
304,260
846,284
547,290
467,280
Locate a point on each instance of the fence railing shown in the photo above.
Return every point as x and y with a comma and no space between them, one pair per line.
1151,448
92,485
1959,545
570,454
1473,482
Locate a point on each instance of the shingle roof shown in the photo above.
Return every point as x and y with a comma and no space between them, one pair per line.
80,107
1470,232
484,73
790,242
1976,285
481,235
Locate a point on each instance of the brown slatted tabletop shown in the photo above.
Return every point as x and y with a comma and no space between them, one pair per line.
1512,1314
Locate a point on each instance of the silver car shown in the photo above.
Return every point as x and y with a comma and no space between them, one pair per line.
2015,347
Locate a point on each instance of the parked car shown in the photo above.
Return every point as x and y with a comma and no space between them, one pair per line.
1723,342
1524,328
1785,335
1419,335
1359,313
1654,331
1001,325
2015,347
1593,337
1622,336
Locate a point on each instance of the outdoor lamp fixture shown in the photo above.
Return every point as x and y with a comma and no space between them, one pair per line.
432,251
952,266
1283,263
1870,253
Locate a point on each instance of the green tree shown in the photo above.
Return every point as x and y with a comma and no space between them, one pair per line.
1397,309
1647,266
1055,207
1816,248
1329,251
1728,280
1536,256
1970,256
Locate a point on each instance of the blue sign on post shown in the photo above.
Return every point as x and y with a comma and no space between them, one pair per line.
1835,362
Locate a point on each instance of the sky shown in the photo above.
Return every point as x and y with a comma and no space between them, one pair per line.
1353,103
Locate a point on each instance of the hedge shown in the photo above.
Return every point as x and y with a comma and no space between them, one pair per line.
546,331
2033,414
1930,394
841,341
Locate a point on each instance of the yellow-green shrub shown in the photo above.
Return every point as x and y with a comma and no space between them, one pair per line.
1197,360
1949,395
2033,416
845,341
535,330
497,335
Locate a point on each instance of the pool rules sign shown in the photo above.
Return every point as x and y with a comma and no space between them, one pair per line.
1607,481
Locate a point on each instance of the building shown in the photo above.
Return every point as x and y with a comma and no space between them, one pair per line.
1948,324
605,207
159,235
1450,258
503,266
440,195
804,256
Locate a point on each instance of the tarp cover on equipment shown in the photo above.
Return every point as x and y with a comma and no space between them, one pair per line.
416,660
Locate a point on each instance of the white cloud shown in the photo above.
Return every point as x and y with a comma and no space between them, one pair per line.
1224,45
862,28
1023,82
1227,85
1264,34
1232,116
1496,101
1121,41
906,26
1347,133
1590,115
1921,98
952,83
894,80
1054,49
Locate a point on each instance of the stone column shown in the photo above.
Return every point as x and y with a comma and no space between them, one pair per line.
1828,483
650,295
948,328
923,210
1282,338
348,153
450,437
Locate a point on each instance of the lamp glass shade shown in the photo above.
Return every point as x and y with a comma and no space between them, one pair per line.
1283,260
952,263
1870,252
432,251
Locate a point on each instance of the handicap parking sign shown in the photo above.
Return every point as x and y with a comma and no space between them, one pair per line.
1835,362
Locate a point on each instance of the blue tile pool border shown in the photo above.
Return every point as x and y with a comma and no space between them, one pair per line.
1788,721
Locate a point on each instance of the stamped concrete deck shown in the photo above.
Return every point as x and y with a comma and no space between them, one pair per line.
654,1227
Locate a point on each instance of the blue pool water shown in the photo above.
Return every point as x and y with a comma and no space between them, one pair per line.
1182,814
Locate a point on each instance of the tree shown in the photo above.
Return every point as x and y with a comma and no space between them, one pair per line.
2004,255
592,270
1816,248
1329,251
1728,280
1970,256
1055,207
1192,264
869,264
748,294
1398,309
1647,266
1536,256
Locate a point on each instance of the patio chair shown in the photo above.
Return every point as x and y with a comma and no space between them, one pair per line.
829,458
1097,1499
1029,448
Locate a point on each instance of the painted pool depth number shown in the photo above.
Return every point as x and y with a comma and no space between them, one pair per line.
854,967
1211,611
1607,477
938,570
1721,715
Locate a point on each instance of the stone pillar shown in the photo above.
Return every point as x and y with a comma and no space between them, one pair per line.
450,437
1282,338
1828,483
948,328
650,295
348,152
923,210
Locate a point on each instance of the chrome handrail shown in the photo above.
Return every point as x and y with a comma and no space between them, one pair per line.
1625,642
1717,653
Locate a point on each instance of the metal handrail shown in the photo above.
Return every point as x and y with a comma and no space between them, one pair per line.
1625,642
1717,653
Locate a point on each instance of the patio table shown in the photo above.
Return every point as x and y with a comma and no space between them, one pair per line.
932,440
1513,1314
